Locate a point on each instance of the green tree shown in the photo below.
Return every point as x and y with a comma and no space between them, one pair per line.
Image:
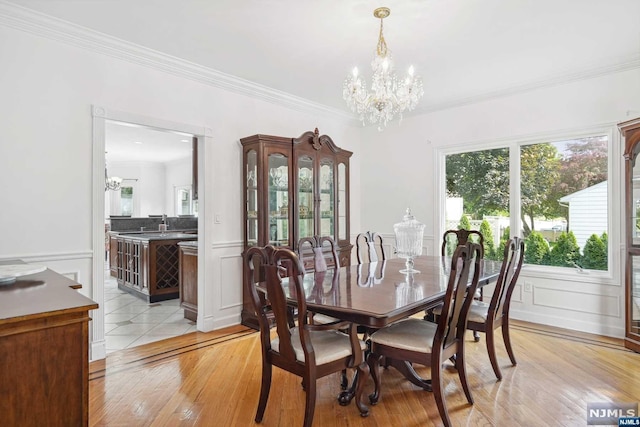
468,175
539,173
536,248
487,236
595,254
566,252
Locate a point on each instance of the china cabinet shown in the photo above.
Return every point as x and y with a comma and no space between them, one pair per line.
294,188
631,133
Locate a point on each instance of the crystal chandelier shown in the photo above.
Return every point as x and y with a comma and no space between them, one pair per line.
387,97
111,182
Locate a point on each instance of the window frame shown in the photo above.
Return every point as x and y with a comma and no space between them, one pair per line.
615,165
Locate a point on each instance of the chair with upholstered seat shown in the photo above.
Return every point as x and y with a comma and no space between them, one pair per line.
306,350
318,253
487,318
453,238
414,341
370,247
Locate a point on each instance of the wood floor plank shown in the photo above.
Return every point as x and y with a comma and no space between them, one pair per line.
214,379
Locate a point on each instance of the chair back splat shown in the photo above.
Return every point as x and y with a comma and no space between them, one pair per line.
453,238
318,253
306,350
370,247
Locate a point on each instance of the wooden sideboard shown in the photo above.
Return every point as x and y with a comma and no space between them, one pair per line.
44,351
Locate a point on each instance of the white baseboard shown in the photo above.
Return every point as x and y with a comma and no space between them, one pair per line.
568,323
98,350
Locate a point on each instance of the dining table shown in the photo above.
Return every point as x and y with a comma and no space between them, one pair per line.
374,295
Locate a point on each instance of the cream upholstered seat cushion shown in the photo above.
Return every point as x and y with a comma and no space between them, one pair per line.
327,345
477,312
320,319
410,334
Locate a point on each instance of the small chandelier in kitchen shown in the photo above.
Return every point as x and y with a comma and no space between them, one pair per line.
111,182
387,97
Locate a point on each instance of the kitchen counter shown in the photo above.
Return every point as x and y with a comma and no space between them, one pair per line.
160,236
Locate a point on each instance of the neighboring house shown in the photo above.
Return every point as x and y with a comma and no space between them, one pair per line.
587,212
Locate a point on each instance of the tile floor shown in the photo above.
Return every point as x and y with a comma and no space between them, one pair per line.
130,321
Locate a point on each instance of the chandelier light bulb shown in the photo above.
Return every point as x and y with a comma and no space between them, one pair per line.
388,96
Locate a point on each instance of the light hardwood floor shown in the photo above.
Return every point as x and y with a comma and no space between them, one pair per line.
213,379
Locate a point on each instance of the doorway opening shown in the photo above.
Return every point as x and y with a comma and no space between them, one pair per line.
151,165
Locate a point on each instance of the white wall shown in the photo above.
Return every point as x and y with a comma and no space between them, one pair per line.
587,303
48,88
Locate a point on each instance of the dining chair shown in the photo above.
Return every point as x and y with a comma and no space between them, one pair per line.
370,247
314,254
306,350
487,318
461,237
414,341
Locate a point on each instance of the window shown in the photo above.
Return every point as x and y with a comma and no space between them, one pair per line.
126,201
554,192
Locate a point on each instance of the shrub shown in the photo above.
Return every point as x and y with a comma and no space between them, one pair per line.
595,253
464,223
566,252
487,235
536,248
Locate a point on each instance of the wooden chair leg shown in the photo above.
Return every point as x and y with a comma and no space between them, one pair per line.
344,380
310,404
373,361
265,387
436,384
476,336
507,341
461,366
491,349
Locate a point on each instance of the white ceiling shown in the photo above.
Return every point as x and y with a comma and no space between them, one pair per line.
126,142
463,49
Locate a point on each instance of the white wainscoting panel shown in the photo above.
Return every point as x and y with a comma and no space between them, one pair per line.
585,302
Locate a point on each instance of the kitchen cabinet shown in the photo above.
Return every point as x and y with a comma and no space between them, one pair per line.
294,188
148,264
189,279
631,133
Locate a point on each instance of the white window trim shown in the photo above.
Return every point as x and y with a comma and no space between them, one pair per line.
615,164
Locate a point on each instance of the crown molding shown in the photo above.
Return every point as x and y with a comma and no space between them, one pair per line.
28,20
565,77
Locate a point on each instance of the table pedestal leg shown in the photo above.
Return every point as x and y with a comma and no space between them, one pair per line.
406,369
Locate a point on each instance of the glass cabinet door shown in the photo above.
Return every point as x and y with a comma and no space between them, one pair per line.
252,198
635,208
342,202
278,199
306,200
634,324
327,199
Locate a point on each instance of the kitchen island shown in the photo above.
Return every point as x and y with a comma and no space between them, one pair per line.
147,265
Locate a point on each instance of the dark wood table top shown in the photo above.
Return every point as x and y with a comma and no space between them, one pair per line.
377,294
